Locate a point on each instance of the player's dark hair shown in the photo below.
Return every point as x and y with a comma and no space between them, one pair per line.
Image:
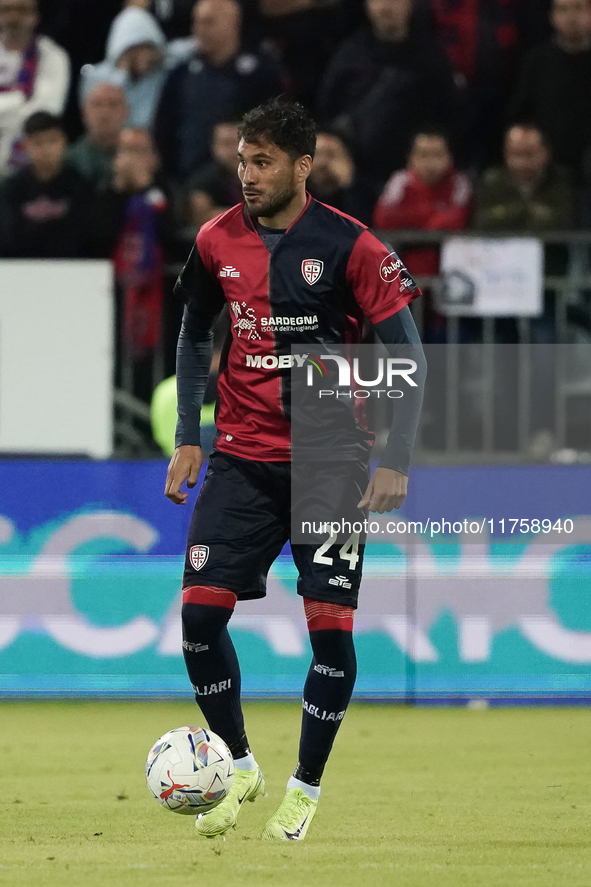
42,121
285,123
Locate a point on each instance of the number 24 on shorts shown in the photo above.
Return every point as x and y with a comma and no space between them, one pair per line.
349,551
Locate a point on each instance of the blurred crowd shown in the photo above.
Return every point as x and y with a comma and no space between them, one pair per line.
118,121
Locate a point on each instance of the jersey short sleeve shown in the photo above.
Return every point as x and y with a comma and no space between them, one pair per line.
201,292
380,283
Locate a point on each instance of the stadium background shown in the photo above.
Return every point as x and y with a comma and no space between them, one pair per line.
90,572
91,551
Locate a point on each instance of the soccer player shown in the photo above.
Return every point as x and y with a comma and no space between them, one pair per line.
280,254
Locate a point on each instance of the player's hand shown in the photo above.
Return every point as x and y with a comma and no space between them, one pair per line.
184,466
387,490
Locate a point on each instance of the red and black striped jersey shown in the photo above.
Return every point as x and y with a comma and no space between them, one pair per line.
327,273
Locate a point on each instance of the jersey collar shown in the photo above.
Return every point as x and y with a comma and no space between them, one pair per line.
250,222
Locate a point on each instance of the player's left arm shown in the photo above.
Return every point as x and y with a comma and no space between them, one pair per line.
383,288
388,487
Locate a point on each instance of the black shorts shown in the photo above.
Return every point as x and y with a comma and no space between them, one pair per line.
242,520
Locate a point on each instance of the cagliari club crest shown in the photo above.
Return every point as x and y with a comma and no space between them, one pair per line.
198,556
312,270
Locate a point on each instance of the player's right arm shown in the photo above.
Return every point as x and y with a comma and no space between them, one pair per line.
204,299
383,289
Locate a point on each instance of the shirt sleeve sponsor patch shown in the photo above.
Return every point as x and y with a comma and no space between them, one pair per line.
381,284
392,269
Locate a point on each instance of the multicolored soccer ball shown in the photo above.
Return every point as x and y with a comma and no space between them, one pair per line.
189,770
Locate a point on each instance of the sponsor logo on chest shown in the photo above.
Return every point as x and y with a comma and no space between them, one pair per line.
274,361
248,326
246,321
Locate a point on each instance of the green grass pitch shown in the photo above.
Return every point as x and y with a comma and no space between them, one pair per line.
411,797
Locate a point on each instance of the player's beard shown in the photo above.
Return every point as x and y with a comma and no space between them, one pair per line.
275,204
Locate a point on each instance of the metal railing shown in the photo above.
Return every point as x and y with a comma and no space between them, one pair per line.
529,400
475,409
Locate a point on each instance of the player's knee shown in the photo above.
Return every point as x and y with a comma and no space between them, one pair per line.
201,620
210,595
322,616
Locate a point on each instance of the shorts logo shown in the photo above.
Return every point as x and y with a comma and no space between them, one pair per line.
198,556
340,582
229,271
312,270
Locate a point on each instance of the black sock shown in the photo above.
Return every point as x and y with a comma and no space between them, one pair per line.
214,672
327,693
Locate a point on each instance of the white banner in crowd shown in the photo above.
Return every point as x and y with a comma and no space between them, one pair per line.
56,357
488,277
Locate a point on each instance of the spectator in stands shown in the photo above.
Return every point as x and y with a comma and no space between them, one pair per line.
529,192
173,16
44,207
220,81
484,43
385,82
334,179
429,195
318,25
81,27
167,12
554,89
133,226
105,112
216,186
34,76
136,61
